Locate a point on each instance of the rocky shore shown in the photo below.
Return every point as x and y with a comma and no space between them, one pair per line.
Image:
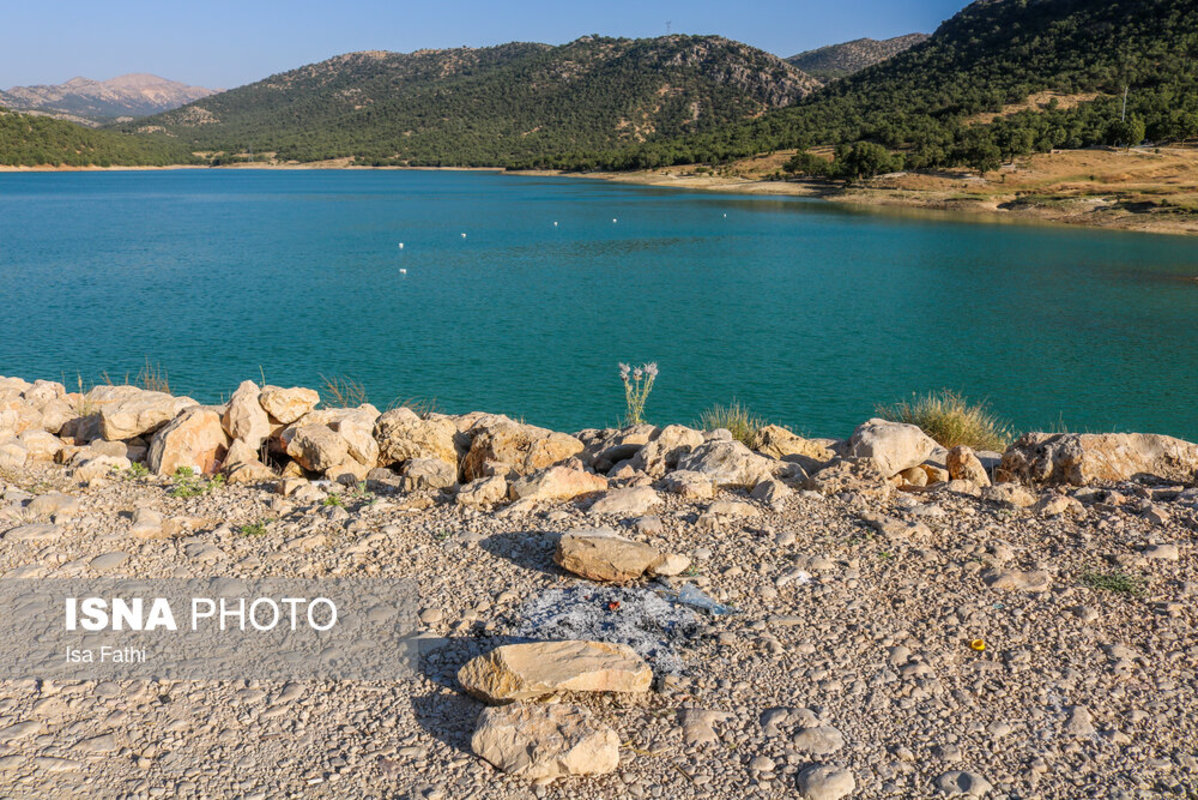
644,612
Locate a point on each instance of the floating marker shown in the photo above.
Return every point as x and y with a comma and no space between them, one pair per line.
555,223
613,219
463,236
401,245
403,271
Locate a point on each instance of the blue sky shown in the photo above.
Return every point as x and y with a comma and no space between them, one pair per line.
222,44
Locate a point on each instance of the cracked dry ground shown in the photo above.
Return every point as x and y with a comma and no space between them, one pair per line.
1080,692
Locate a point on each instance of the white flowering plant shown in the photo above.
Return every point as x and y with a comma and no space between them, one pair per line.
638,382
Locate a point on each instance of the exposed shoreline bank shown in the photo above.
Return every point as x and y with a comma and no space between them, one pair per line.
778,616
1046,189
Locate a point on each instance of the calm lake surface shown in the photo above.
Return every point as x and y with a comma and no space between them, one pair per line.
807,313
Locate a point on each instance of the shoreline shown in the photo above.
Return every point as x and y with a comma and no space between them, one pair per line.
691,605
1033,196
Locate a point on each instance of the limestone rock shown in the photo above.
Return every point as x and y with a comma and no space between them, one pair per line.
41,445
774,441
773,492
1008,495
964,465
821,740
402,435
664,450
1054,505
287,405
822,782
100,468
354,425
428,473
1086,458
670,564
317,447
13,454
54,504
689,485
891,446
483,492
193,439
728,463
601,555
525,671
631,502
556,483
127,411
960,782
856,476
1015,580
244,417
526,448
544,742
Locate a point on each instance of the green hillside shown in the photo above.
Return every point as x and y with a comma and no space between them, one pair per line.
489,106
29,140
994,52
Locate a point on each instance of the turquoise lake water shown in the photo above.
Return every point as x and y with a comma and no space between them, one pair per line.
808,313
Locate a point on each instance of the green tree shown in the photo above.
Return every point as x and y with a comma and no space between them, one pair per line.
864,160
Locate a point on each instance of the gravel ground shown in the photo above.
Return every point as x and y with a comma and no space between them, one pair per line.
1081,691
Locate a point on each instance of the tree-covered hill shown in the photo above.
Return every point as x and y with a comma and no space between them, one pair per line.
490,106
919,104
841,60
29,140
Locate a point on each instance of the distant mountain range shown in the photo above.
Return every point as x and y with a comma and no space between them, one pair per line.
491,105
841,60
1001,78
93,103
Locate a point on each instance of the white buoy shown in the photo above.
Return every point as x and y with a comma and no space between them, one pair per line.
463,236
613,219
401,245
555,223
403,271
725,216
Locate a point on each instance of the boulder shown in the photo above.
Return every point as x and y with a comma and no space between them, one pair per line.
664,450
525,671
689,485
244,417
774,441
41,445
287,405
526,448
127,411
1008,495
241,465
544,742
964,465
891,446
193,439
101,467
483,492
317,447
849,475
1035,581
402,435
728,463
54,504
428,473
1086,458
556,483
823,782
41,392
13,454
601,555
630,502
56,414
610,447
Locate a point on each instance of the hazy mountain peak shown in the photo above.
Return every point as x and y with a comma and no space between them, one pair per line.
91,102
